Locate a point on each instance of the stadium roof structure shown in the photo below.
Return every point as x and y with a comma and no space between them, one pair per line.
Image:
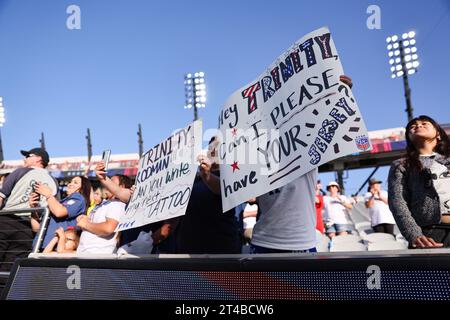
68,167
387,146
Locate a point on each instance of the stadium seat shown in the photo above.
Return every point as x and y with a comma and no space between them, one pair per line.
359,213
359,226
378,237
348,246
400,238
348,238
387,245
322,242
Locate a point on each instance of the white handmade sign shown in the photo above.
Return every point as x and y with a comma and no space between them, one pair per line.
294,117
165,177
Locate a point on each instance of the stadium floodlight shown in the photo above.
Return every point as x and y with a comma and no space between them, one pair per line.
403,52
402,48
195,91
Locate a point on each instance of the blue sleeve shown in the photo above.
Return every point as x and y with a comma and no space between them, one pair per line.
75,205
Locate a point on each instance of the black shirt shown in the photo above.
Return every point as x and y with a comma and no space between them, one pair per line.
205,229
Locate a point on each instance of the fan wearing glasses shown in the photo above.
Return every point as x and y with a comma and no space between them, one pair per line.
18,185
34,160
15,232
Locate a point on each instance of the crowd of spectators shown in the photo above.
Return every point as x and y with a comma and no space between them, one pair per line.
283,220
84,221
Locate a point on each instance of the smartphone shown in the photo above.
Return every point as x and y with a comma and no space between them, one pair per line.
105,158
33,189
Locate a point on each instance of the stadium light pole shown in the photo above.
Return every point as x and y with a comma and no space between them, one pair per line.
195,92
42,141
140,141
89,145
404,61
2,121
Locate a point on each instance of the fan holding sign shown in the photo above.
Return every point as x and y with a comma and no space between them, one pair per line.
162,188
204,229
288,219
279,129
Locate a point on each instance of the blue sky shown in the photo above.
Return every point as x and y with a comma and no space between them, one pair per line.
126,64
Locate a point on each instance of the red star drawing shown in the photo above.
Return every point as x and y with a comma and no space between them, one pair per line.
234,132
235,166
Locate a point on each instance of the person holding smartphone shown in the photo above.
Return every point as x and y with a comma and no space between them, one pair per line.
162,231
99,234
65,212
15,231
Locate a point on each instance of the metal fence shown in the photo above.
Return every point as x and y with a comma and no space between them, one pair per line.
8,241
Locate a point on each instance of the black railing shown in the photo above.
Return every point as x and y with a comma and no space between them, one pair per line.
40,235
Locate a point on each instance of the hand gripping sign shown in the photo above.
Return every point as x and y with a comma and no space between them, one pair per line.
294,117
164,179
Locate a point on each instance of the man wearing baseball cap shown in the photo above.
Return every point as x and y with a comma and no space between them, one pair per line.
15,230
376,200
41,156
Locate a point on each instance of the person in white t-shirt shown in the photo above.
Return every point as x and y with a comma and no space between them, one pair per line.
336,207
287,215
287,220
376,201
99,234
249,220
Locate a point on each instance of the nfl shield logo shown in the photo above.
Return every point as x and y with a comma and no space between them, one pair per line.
362,142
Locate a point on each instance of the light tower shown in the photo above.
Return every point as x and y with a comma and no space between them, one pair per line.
195,92
404,61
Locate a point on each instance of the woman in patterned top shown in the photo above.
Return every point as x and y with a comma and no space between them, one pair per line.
419,185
